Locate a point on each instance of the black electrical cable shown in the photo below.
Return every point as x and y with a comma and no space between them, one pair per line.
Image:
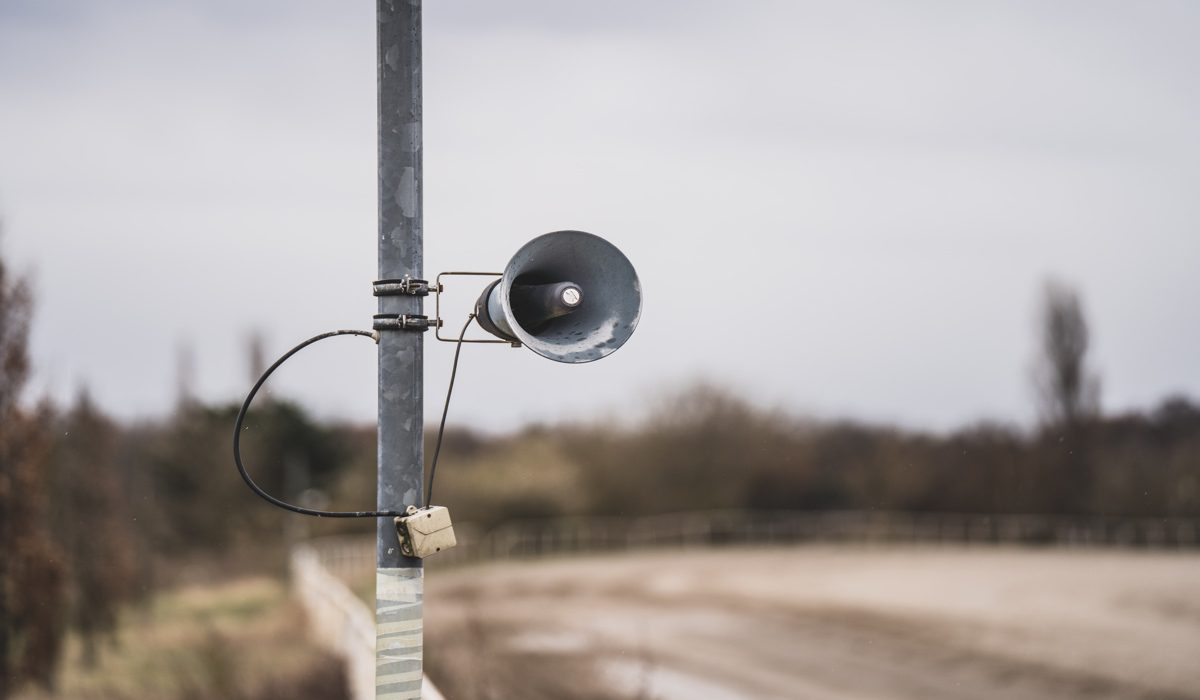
437,449
241,419
237,439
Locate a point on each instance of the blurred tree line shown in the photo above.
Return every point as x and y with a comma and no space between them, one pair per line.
94,514
707,448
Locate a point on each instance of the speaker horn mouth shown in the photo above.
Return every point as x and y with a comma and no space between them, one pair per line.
540,301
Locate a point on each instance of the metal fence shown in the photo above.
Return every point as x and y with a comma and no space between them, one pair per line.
350,558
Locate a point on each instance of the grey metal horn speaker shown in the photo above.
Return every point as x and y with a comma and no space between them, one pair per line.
569,296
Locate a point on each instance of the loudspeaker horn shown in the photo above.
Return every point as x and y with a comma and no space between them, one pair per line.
569,296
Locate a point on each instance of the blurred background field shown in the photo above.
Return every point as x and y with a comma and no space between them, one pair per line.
729,605
707,547
822,621
701,546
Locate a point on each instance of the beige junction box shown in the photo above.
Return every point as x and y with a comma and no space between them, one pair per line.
425,531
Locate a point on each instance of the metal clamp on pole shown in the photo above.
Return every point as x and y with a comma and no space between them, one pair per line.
406,286
401,322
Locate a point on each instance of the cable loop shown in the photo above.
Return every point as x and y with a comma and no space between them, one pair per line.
241,419
237,440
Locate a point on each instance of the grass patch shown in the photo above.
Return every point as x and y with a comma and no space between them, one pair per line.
240,640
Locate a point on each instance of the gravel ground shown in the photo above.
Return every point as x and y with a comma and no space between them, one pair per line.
820,622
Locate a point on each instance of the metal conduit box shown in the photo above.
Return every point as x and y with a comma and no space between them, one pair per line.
425,531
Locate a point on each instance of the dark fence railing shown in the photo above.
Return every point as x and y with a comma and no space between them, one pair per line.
552,537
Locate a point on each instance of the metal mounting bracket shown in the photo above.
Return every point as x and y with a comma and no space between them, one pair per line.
437,322
401,322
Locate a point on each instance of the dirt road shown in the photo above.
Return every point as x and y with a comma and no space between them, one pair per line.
821,623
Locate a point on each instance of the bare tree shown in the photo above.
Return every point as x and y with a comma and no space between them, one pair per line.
15,310
256,355
185,377
1069,398
92,523
31,570
1068,391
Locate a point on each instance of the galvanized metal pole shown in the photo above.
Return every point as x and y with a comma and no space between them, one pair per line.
398,579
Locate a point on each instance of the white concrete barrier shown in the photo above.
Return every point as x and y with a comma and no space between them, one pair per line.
341,622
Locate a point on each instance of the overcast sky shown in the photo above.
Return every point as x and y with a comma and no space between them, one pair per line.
841,208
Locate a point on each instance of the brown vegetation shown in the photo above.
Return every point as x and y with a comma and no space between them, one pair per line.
709,449
91,522
95,515
31,569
